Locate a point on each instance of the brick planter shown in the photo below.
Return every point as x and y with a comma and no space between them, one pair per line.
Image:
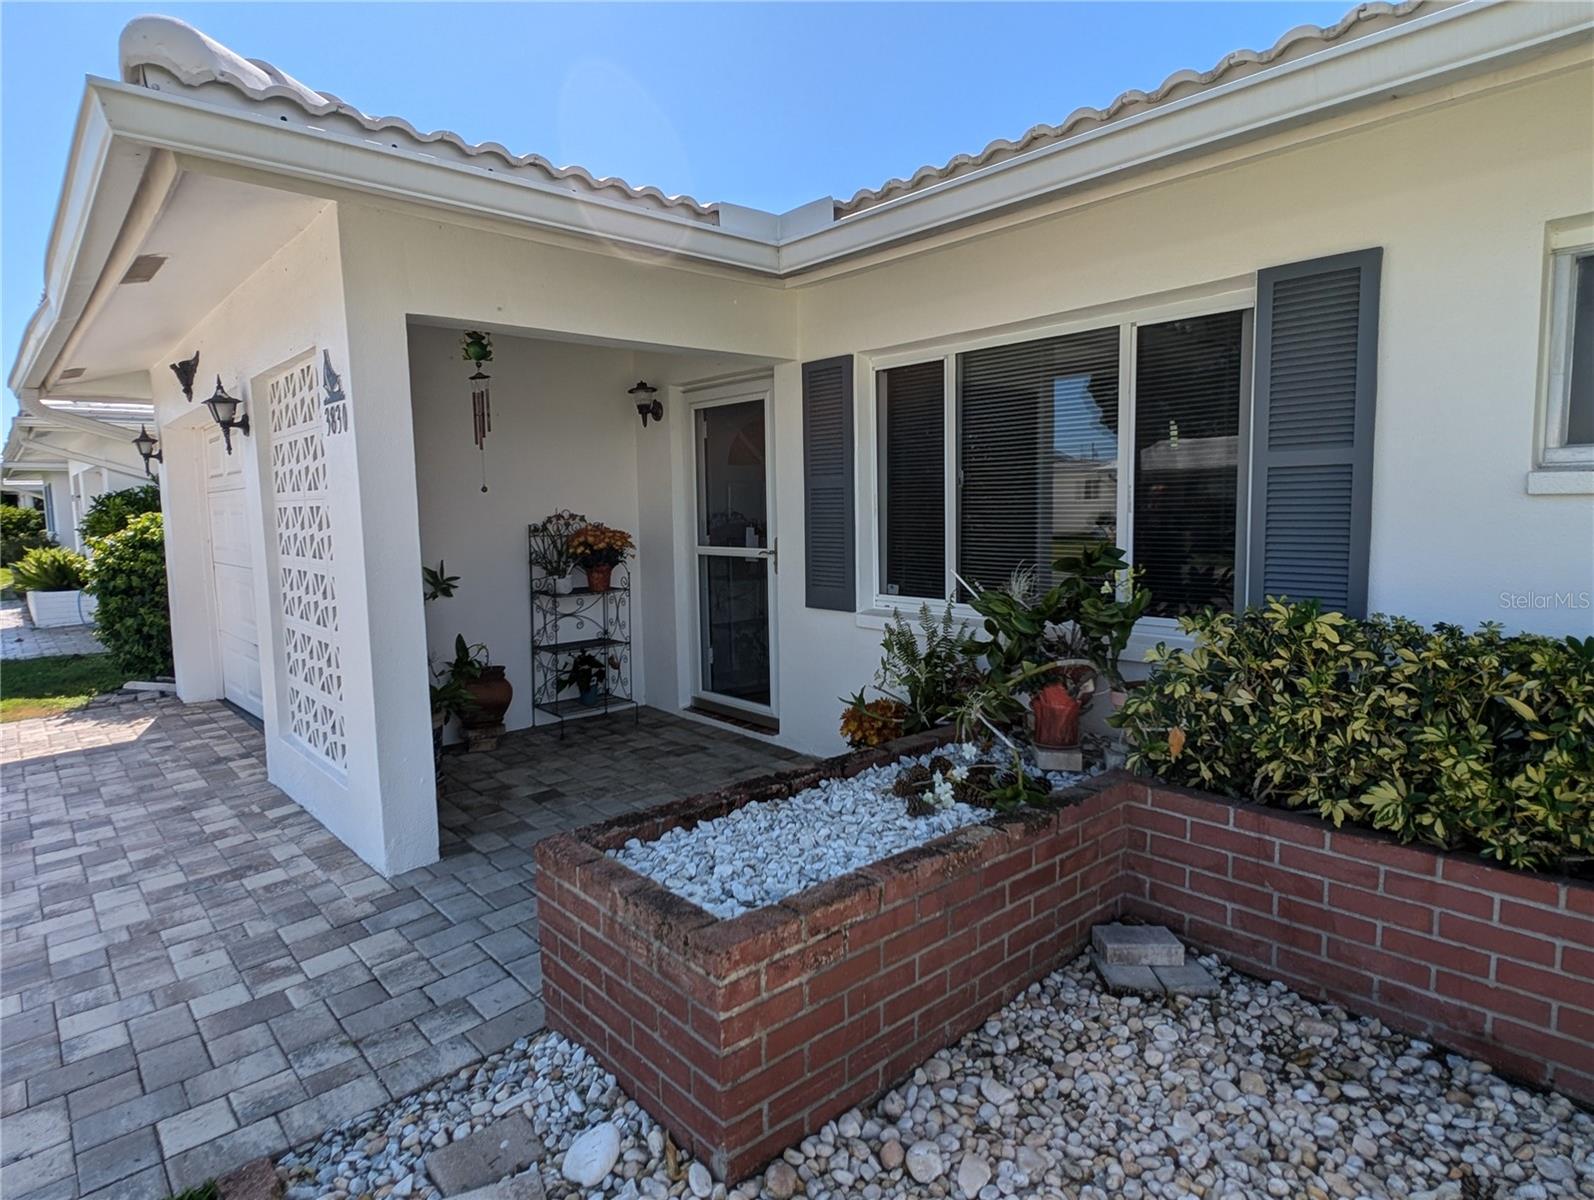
744,1035
1488,961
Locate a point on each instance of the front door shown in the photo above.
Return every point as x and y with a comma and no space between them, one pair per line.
735,552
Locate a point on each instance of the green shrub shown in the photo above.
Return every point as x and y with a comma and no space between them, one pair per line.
128,578
50,569
1475,741
21,530
111,511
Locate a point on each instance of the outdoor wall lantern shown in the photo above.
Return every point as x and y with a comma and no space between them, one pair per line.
648,403
224,411
148,447
185,372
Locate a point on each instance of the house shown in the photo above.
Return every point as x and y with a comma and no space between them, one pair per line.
67,450
1313,321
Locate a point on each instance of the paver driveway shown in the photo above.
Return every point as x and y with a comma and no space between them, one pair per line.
20,638
195,972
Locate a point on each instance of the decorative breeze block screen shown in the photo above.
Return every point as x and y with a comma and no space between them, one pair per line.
313,661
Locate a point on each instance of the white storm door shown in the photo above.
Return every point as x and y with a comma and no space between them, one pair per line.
734,552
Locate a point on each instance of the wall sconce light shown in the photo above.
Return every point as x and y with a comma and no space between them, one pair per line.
148,447
648,403
185,372
224,411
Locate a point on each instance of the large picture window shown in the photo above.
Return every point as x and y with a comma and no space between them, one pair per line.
1038,434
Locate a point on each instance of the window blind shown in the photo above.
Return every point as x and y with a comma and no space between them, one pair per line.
1188,381
1037,453
912,414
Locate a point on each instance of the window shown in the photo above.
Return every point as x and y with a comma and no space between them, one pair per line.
1037,453
1569,404
1031,447
912,407
1188,377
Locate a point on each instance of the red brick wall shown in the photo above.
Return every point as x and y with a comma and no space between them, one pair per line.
744,1035
1490,962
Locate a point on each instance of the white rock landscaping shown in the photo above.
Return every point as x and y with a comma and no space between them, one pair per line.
767,850
1256,1093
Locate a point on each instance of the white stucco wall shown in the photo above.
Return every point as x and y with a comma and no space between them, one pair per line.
564,436
381,804
1459,198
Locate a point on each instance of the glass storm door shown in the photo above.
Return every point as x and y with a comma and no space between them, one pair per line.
734,553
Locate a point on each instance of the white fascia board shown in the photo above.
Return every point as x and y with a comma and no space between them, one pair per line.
254,139
1429,52
102,176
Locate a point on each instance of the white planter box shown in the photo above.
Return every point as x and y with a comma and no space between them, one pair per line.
50,609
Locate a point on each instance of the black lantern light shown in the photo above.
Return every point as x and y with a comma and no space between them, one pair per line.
648,403
148,447
224,411
185,372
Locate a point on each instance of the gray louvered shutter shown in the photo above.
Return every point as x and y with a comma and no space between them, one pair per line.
1312,434
827,484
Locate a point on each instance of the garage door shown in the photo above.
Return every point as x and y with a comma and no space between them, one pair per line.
234,574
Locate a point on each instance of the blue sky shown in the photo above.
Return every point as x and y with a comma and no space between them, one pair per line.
768,105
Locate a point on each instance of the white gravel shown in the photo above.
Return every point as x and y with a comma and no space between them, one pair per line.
1068,1092
768,850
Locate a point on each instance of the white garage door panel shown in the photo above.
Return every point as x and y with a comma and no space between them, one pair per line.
232,569
229,532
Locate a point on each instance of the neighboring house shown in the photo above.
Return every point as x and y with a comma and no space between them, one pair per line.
1315,321
65,451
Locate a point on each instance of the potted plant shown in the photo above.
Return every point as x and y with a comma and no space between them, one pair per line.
1101,596
548,544
483,681
53,578
598,549
586,674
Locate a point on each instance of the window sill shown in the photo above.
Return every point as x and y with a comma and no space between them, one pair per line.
1561,481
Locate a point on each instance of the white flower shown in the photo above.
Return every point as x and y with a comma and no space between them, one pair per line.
941,791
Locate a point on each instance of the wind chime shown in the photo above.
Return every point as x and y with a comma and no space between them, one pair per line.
477,347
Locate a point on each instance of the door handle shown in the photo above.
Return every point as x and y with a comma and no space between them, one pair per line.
773,554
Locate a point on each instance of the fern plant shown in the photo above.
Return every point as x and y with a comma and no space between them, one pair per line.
926,670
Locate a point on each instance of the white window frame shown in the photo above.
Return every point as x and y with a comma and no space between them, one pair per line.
1128,316
1567,242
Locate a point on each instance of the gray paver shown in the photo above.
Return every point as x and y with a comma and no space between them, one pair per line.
505,1147
1187,979
1137,945
199,973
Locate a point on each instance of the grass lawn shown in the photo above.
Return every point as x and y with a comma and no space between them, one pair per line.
42,687
5,585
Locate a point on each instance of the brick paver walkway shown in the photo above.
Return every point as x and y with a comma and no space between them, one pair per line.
195,972
20,638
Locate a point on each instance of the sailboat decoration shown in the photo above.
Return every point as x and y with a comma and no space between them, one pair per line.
477,347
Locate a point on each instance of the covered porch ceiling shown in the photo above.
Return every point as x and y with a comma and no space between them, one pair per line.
663,365
187,242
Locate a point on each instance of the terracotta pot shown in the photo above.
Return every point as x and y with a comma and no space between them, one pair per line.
598,578
492,694
1056,715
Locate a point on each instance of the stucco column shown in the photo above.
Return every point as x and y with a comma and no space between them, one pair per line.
383,629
